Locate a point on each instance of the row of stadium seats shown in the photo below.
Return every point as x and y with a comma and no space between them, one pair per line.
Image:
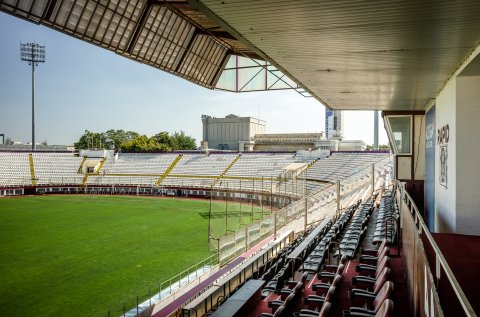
144,169
342,165
356,230
388,215
305,290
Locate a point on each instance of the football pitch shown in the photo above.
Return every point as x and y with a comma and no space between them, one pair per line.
82,255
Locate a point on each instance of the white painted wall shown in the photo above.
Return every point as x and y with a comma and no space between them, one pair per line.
445,197
468,154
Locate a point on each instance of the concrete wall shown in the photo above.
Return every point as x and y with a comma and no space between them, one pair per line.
229,131
445,197
467,155
283,147
457,203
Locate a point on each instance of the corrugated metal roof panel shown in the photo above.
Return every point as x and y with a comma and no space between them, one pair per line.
169,35
355,54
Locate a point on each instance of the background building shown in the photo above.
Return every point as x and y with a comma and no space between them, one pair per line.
333,124
231,133
286,141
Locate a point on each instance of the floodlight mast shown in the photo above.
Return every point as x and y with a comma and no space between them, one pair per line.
33,54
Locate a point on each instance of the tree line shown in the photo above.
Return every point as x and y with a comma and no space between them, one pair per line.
130,141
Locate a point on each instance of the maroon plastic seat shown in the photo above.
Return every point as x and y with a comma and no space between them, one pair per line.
325,309
315,302
277,313
385,310
371,284
322,313
292,287
334,268
374,252
372,270
322,288
275,304
371,300
375,260
327,277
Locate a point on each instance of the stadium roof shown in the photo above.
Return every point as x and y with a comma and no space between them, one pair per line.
387,55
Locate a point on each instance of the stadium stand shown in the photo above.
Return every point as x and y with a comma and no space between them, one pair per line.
299,283
57,168
14,169
247,172
342,165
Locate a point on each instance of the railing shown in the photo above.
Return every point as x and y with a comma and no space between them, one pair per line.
144,300
423,285
224,286
298,215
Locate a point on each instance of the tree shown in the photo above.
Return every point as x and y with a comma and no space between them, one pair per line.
166,139
184,142
8,141
131,141
381,147
144,144
90,140
115,138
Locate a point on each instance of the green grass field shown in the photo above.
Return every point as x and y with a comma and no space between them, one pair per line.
82,255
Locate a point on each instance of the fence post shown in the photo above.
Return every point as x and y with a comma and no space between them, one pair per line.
373,179
275,226
137,304
306,214
338,198
246,239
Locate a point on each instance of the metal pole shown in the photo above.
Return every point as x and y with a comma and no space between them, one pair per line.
338,198
253,197
33,102
375,130
306,215
271,193
210,218
226,211
241,198
33,54
373,179
261,196
275,226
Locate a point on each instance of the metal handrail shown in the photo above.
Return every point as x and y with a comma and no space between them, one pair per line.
423,229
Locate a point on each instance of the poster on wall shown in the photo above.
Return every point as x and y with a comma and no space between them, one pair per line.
430,144
443,165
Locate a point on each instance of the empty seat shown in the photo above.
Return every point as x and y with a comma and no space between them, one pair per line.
372,270
277,313
385,310
371,283
315,302
370,300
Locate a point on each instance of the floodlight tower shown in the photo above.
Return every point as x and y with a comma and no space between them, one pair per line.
33,54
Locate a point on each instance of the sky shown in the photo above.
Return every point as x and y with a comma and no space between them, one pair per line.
83,87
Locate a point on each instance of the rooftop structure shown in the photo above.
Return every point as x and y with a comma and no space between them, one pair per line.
231,133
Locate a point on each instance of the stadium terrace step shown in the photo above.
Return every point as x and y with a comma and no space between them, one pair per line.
32,170
226,170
